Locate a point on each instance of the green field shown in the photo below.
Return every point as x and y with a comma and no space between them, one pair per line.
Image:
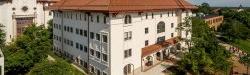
243,45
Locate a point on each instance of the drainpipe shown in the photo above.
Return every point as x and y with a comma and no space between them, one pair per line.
62,28
88,15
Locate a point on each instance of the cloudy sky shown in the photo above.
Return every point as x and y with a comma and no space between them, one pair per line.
228,3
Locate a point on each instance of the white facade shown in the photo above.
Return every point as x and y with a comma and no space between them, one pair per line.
13,10
120,37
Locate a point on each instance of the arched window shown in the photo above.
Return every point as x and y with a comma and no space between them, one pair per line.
128,69
160,27
128,19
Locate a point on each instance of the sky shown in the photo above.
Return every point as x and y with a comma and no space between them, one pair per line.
226,3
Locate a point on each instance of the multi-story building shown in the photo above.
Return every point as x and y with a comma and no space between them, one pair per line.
213,21
15,15
117,37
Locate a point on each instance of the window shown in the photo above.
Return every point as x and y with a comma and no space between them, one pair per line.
68,29
80,16
77,45
85,33
172,34
92,52
98,37
85,49
146,30
146,43
77,31
98,72
127,53
161,27
172,13
160,39
127,19
103,73
168,13
98,55
85,17
81,47
92,36
68,42
146,15
152,15
81,32
85,65
105,57
128,35
71,43
92,69
60,27
97,19
172,25
65,28
105,38
105,19
91,18
71,29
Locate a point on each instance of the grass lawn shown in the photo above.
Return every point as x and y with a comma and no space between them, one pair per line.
243,45
58,58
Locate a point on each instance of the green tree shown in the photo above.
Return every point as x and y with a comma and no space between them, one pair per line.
2,36
54,68
205,56
233,30
204,8
26,50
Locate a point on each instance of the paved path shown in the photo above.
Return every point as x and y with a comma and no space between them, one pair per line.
51,58
78,68
156,70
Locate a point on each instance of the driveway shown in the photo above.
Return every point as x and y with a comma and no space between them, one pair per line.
156,70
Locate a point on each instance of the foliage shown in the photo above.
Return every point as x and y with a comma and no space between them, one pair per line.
245,60
244,45
29,48
205,56
233,30
2,36
204,8
54,68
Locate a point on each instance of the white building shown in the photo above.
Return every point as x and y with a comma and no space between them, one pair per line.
17,14
117,37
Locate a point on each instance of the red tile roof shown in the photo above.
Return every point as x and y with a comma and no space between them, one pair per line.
121,5
48,0
157,47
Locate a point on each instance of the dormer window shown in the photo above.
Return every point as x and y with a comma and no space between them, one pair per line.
127,19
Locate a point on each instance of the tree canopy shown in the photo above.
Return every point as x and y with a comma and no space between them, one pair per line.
27,49
54,68
204,8
205,56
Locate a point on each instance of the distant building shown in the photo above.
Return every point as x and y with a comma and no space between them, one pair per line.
15,15
214,21
118,37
